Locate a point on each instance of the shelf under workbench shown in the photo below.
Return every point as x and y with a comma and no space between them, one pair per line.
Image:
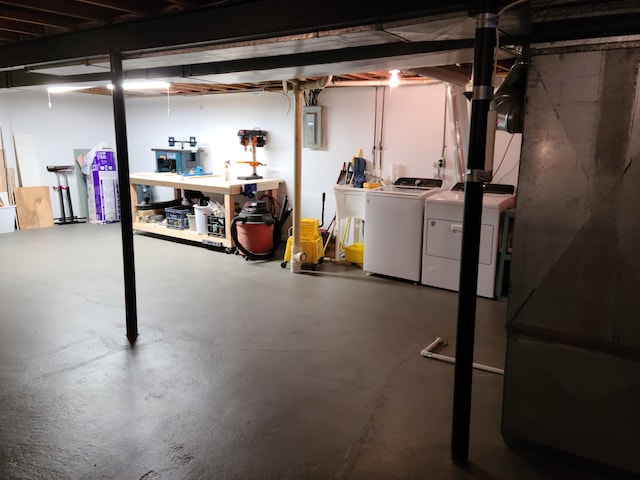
205,184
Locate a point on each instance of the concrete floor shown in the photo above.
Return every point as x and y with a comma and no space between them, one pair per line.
242,370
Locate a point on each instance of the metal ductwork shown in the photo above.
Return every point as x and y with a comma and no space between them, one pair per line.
307,85
459,129
446,73
508,100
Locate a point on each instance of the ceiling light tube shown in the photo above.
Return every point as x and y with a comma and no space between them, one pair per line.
64,89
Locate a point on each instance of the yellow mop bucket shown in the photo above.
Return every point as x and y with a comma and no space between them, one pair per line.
353,253
310,241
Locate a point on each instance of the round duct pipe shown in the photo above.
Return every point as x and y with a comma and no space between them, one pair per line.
307,85
459,130
446,73
508,100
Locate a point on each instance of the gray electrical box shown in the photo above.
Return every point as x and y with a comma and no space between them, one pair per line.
312,127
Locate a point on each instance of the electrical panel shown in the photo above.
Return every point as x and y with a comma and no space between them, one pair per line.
312,127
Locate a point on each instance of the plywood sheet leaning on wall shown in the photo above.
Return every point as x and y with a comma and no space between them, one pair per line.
29,174
7,182
7,175
4,182
11,184
33,207
3,167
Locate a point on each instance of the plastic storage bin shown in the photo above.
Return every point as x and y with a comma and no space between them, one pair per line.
354,253
177,217
215,226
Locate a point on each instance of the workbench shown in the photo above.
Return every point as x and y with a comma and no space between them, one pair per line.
205,184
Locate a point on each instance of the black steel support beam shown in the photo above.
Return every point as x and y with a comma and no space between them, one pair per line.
224,23
126,216
448,51
602,25
476,175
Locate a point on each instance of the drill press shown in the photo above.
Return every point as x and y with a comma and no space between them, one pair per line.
253,138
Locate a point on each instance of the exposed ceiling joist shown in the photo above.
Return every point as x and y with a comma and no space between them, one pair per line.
211,46
70,14
139,8
34,17
21,27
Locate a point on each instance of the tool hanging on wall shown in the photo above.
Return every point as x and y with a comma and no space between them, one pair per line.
252,138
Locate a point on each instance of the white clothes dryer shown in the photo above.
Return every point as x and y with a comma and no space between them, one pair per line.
394,216
442,240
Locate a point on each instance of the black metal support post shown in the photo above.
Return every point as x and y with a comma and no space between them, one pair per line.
476,175
122,156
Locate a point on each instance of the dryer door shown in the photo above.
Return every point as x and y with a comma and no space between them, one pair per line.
442,250
444,239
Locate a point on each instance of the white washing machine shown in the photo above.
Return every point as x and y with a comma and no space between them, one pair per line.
394,216
442,241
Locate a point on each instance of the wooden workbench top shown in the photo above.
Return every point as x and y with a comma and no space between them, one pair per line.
205,183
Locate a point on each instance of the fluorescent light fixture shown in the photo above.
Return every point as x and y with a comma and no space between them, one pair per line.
150,85
394,81
64,89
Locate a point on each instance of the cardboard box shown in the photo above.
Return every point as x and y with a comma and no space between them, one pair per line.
102,188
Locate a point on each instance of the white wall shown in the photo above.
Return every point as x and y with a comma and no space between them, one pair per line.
412,133
74,121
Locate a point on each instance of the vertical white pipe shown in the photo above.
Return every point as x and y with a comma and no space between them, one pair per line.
298,256
296,248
